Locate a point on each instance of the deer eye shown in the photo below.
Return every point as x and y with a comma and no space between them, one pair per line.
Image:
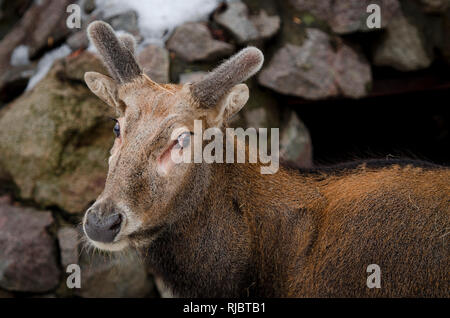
184,139
116,129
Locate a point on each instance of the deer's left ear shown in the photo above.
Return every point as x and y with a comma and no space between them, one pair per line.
232,103
105,88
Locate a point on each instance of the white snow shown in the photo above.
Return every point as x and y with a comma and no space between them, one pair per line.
46,62
158,18
20,56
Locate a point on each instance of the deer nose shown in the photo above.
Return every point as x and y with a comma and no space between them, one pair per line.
102,228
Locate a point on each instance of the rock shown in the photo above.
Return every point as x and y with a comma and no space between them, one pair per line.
68,245
303,70
126,21
114,276
193,42
191,77
403,47
267,26
5,199
56,138
295,142
352,72
350,15
41,26
235,18
10,13
155,62
315,71
78,40
27,252
89,6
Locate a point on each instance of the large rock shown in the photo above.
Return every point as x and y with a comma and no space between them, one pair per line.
403,47
349,15
56,138
315,70
155,62
194,42
245,28
113,276
28,260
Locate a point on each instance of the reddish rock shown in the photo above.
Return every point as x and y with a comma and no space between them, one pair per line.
28,261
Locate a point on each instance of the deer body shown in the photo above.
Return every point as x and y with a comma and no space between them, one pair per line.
316,238
216,229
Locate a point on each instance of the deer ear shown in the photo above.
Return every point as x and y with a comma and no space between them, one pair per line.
105,88
236,98
229,105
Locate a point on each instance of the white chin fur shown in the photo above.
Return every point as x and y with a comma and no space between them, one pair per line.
113,247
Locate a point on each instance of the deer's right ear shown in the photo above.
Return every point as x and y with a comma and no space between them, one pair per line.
105,88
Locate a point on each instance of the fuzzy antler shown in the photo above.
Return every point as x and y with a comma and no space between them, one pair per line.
237,69
117,54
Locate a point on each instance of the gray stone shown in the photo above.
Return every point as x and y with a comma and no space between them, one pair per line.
126,21
113,276
68,245
295,142
78,40
56,138
402,47
315,71
303,71
350,15
28,260
193,42
267,26
352,72
155,62
235,19
245,28
89,6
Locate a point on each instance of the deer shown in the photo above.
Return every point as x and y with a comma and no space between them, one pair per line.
226,229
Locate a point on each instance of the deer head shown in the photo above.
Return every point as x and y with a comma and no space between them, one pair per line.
144,185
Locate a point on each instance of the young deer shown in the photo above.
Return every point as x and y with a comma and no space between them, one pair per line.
213,230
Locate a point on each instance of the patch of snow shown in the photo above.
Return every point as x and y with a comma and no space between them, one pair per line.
46,62
20,56
158,18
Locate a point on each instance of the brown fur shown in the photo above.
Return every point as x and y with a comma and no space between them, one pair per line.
215,230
